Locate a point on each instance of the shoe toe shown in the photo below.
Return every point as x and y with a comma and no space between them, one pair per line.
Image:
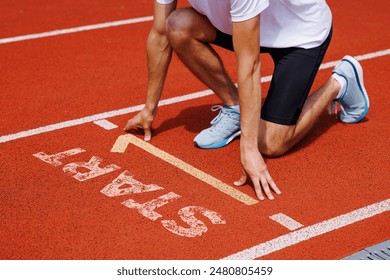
202,139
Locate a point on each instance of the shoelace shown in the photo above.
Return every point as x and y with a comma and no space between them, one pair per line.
219,117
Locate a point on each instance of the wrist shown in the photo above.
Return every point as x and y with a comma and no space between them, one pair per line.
151,109
249,146
248,141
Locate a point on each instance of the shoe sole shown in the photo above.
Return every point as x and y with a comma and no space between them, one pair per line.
219,144
357,68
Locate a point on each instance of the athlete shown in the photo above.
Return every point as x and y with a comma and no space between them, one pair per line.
296,33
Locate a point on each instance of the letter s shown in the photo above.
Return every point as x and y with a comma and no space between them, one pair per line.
197,227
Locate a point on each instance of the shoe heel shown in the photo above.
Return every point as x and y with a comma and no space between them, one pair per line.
359,72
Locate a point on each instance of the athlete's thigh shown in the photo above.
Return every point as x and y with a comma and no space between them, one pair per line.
292,79
294,73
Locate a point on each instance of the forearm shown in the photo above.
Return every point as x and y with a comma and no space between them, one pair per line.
159,55
246,42
249,91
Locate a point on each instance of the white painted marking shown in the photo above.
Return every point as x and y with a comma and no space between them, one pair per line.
105,124
115,188
92,165
55,159
123,141
197,227
147,209
173,100
286,221
75,29
358,57
84,120
372,55
309,232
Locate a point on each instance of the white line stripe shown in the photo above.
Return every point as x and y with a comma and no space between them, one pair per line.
123,141
128,110
100,116
372,55
358,57
105,124
286,221
74,30
307,233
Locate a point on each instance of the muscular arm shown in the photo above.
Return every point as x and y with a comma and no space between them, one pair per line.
159,54
246,41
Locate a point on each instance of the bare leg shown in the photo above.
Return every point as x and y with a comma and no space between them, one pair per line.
276,139
189,34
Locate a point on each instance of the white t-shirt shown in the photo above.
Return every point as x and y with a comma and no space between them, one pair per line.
284,23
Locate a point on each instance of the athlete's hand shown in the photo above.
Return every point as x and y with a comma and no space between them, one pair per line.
255,168
143,120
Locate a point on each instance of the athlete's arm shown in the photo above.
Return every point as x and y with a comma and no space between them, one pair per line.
246,41
159,54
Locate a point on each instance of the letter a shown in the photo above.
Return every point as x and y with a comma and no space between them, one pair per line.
147,209
114,189
92,165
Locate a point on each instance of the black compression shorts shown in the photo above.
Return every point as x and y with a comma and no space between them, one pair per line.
294,73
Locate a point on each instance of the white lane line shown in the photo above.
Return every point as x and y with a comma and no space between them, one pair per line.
286,221
309,232
84,120
74,30
358,57
105,124
173,100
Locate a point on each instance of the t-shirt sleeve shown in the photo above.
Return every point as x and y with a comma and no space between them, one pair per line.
246,9
165,1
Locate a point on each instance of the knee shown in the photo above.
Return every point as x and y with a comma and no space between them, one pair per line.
275,139
272,150
178,27
273,145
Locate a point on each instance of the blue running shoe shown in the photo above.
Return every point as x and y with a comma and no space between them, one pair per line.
224,128
354,100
